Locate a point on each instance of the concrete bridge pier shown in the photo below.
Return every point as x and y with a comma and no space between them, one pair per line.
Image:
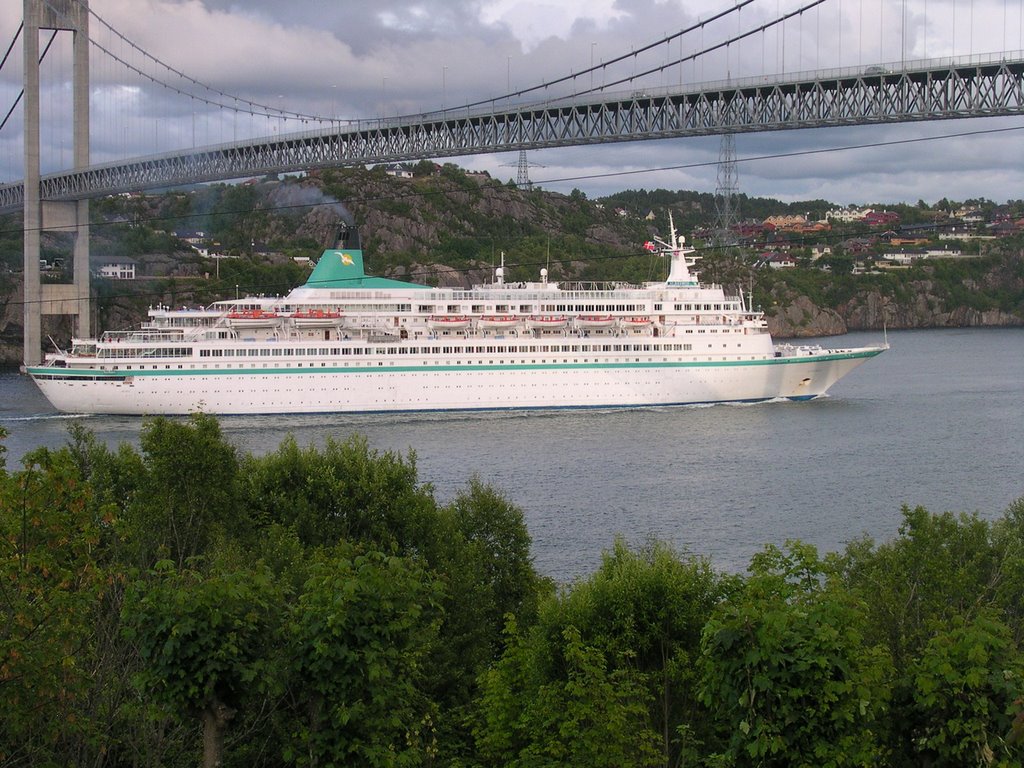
51,299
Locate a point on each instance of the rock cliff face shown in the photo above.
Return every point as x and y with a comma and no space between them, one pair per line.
802,318
799,317
869,310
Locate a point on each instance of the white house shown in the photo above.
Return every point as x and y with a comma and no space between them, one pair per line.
847,215
117,269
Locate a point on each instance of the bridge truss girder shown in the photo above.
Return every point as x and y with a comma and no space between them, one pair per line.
931,93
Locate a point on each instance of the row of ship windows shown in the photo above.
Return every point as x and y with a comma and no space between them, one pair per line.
468,350
543,361
480,350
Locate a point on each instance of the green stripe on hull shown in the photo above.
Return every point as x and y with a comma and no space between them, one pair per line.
120,374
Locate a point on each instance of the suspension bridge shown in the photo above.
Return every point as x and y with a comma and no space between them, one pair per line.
626,108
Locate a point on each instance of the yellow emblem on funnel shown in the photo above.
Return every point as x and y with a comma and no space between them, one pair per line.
346,260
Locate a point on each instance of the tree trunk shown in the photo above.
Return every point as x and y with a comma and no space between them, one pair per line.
215,721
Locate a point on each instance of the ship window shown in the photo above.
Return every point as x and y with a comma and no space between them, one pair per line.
687,347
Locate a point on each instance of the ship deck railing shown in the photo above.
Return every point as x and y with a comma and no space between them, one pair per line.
143,336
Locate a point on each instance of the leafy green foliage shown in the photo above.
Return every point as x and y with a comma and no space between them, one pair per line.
968,684
201,633
204,640
589,714
345,491
187,495
321,607
939,567
638,621
53,575
357,639
788,672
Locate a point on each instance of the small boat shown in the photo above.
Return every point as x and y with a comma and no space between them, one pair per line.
448,322
588,322
498,321
634,322
316,318
253,318
546,322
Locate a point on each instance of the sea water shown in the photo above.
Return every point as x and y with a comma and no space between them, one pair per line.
936,421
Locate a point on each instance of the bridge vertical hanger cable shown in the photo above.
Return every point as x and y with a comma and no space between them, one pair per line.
839,38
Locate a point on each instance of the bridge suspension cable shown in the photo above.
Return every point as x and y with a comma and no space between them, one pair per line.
717,46
624,57
21,93
254,108
11,46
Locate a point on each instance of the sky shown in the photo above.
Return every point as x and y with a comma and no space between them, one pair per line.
350,60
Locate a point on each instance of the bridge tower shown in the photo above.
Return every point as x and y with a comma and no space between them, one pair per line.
50,299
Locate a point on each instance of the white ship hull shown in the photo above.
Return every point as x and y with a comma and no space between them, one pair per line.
426,386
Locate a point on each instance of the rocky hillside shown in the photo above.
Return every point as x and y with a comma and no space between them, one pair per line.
450,228
986,292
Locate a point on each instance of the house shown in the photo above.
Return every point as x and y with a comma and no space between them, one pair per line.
904,258
786,222
398,170
847,215
881,218
194,238
781,261
118,268
819,251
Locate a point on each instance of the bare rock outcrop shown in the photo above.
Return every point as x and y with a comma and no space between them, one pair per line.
802,318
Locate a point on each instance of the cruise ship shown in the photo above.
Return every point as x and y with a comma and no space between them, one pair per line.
347,342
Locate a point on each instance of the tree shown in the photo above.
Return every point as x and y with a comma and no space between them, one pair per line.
357,638
205,638
968,685
54,575
589,715
187,493
636,625
786,669
940,566
344,491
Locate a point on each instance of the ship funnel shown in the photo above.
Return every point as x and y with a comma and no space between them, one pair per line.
348,238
